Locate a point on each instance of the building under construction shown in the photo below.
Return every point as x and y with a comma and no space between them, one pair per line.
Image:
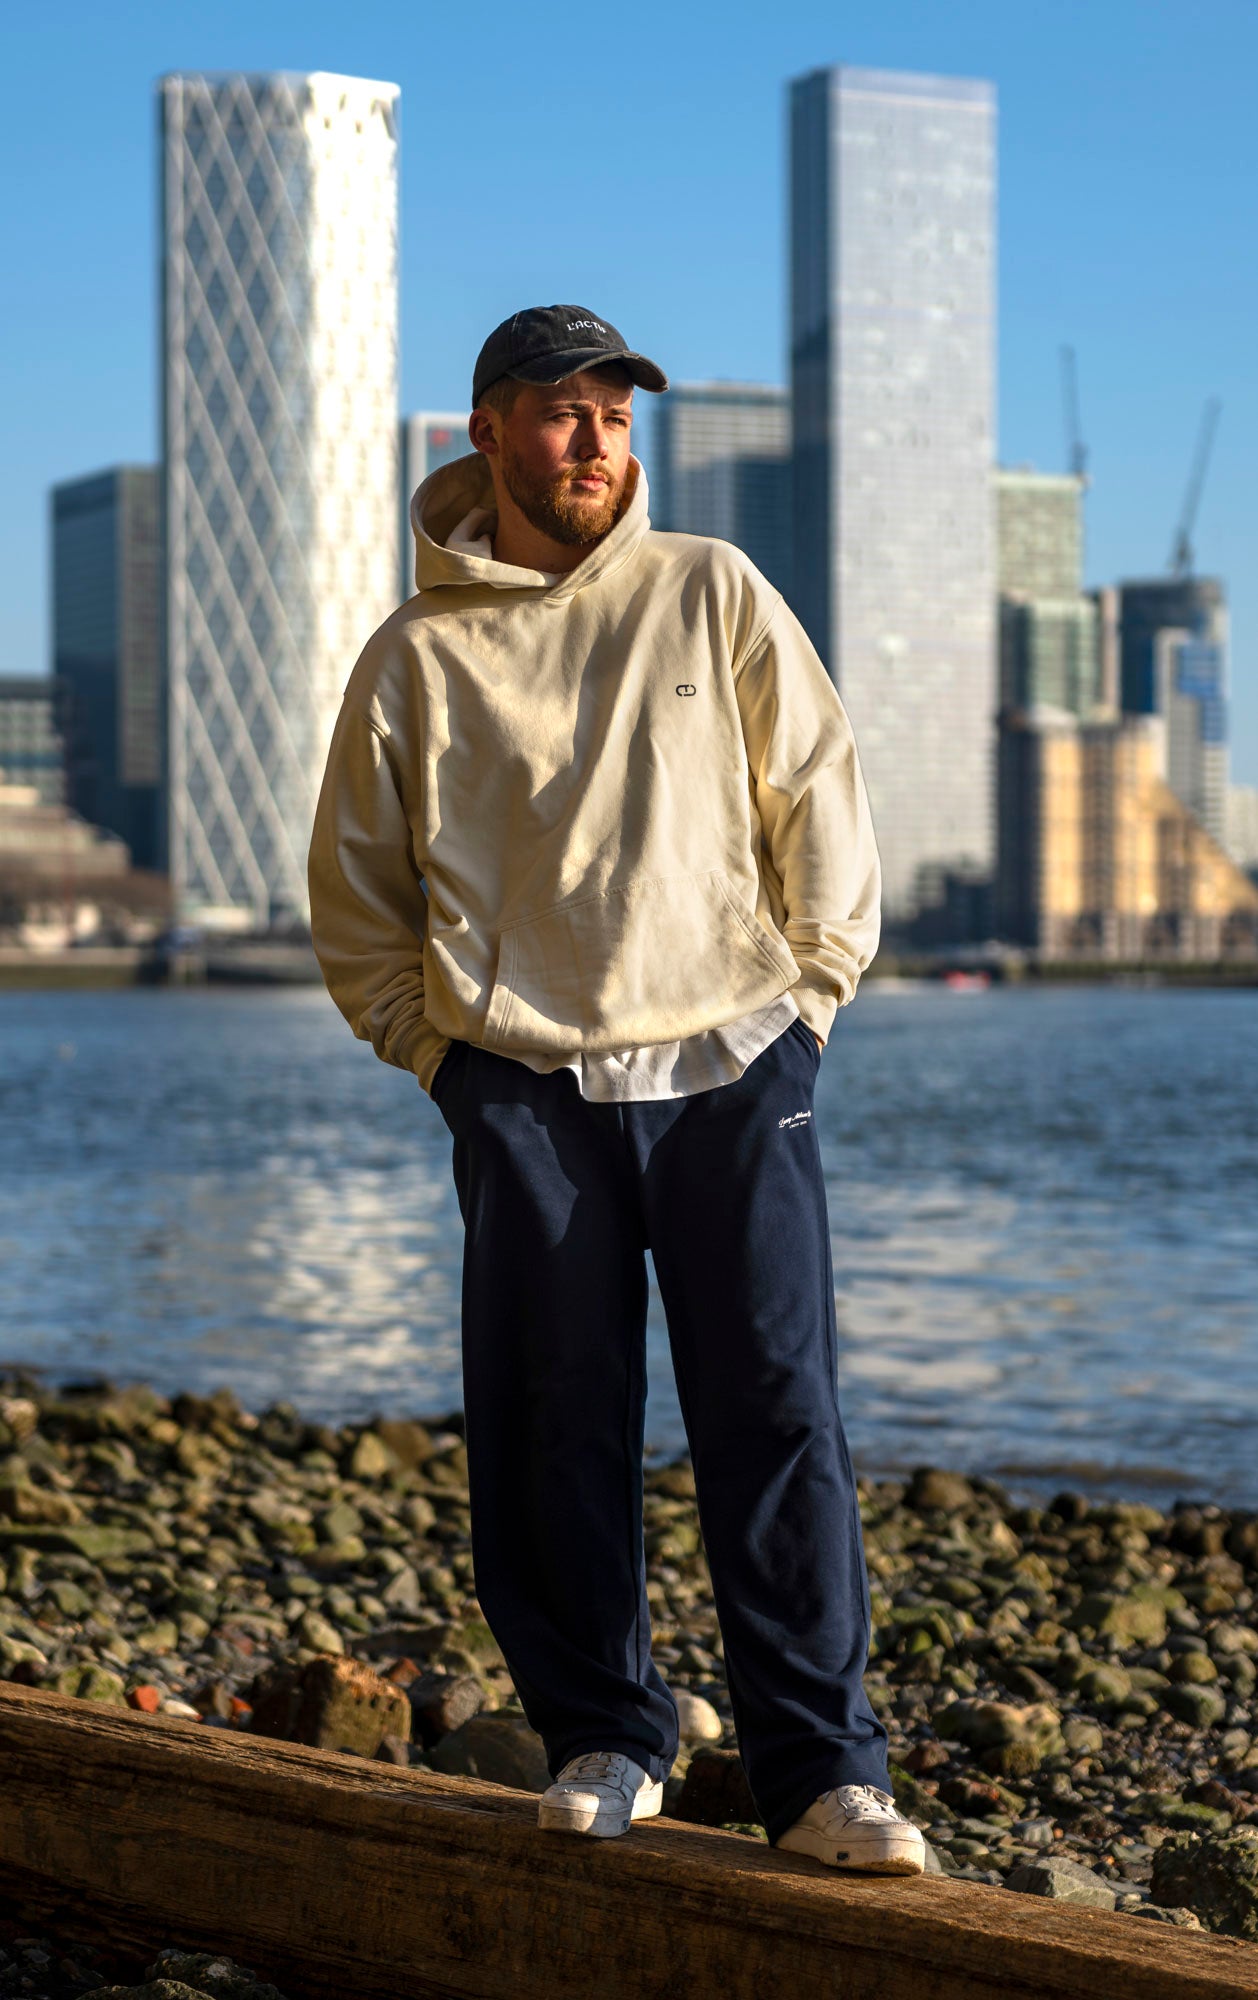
1051,652
1112,738
1099,859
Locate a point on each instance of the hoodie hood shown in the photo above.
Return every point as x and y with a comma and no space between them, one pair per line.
453,490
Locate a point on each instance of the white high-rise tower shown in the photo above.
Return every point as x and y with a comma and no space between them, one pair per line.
279,267
893,185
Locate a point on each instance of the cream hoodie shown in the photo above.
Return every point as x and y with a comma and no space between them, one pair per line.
631,795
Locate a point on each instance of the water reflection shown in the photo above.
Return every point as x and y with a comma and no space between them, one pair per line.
1042,1207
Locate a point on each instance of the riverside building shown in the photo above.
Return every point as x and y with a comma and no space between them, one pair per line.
722,466
279,313
893,183
1099,859
106,653
32,749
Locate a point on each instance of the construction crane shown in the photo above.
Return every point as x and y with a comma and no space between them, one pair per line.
1181,557
1076,449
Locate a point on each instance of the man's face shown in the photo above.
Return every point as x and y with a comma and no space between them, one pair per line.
563,452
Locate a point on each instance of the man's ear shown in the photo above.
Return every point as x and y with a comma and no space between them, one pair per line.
480,430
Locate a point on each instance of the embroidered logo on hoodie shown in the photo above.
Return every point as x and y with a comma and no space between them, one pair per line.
796,1118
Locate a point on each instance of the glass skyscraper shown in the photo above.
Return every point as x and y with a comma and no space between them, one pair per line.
721,466
106,652
1173,645
1193,676
1196,604
279,266
893,183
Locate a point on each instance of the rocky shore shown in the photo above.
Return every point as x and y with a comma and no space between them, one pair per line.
1069,1688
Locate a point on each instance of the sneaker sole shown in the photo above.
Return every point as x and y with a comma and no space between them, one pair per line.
600,1824
902,1854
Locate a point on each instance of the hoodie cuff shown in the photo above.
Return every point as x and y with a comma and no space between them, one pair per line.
816,1010
422,1052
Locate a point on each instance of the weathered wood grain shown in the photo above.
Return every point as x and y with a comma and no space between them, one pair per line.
336,1877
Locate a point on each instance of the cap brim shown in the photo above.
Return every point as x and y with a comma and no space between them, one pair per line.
557,367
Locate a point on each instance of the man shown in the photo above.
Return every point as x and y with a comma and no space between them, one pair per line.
593,859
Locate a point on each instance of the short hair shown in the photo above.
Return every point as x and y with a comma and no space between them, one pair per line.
500,395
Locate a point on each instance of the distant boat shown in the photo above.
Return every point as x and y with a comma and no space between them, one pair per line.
967,982
263,962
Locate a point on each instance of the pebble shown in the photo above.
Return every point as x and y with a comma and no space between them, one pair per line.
1071,1678
319,1634
697,1720
1010,1739
1200,1707
1063,1881
45,1970
1214,1874
500,1748
440,1703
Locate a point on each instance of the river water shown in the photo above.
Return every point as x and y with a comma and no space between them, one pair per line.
1044,1209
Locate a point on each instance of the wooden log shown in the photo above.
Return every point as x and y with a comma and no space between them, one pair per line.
332,1876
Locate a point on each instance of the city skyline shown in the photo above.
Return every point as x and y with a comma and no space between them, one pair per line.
1090,200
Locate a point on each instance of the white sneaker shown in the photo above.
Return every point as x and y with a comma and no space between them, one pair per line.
857,1826
599,1793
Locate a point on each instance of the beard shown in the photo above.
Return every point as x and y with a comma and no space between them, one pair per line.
552,506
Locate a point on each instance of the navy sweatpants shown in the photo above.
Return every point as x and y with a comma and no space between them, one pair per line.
561,1198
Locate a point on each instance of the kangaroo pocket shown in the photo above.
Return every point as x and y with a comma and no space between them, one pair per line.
653,962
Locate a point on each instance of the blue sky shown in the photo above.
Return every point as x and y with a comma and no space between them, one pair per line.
633,162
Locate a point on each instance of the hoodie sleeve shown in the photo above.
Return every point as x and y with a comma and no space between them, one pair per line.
368,911
814,812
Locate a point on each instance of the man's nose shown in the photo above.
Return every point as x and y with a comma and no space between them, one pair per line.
592,438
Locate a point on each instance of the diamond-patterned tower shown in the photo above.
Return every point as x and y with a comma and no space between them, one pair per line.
279,309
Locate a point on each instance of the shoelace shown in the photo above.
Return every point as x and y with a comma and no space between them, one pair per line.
864,1800
604,1766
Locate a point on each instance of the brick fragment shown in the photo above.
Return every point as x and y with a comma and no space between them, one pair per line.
441,1703
332,1703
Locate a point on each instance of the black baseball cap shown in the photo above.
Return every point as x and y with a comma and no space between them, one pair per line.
547,343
